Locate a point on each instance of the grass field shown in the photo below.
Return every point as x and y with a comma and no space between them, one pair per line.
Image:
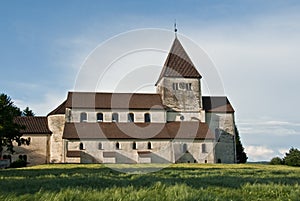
176,182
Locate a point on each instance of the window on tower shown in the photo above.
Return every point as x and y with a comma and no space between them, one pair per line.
189,86
182,86
175,86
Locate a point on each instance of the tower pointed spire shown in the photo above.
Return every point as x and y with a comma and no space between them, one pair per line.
175,29
178,64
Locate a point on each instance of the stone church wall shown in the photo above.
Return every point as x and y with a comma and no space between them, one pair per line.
180,99
157,116
225,148
223,121
56,124
197,151
37,151
162,151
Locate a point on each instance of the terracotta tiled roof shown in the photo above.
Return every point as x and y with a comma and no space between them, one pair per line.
172,130
113,100
217,104
33,125
61,109
178,64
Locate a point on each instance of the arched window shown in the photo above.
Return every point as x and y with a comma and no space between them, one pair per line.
188,86
147,117
149,145
134,145
83,117
99,117
184,148
81,146
118,145
115,117
100,146
25,158
204,148
130,117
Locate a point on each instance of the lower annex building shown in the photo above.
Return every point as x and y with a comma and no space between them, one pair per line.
175,125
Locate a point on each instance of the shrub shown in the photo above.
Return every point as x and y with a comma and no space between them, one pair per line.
18,164
276,161
292,158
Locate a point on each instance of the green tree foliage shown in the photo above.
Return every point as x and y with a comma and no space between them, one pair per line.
292,158
276,161
27,112
9,130
241,156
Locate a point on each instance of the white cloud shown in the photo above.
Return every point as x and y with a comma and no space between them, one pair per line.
267,127
259,153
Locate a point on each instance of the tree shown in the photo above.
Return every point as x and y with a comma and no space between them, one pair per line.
9,130
292,158
241,156
276,161
27,112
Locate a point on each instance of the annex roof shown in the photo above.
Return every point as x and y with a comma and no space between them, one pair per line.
217,104
178,64
33,125
172,130
61,109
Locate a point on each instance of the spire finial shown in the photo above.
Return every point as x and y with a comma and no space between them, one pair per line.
175,28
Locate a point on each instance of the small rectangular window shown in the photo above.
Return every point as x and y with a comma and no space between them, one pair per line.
204,148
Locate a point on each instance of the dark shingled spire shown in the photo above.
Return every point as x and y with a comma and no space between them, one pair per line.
178,64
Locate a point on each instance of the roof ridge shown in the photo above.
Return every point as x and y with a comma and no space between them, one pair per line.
117,93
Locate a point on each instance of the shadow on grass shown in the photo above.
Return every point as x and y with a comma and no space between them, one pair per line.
22,181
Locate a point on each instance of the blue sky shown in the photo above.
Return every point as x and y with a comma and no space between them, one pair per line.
254,45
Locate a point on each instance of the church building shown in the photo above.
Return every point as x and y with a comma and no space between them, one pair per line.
174,125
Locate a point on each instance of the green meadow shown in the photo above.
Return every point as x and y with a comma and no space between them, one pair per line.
175,182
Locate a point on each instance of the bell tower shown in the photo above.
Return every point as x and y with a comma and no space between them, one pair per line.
179,85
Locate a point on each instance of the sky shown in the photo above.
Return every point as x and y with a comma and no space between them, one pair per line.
254,46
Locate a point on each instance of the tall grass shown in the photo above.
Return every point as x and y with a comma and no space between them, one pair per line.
176,182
